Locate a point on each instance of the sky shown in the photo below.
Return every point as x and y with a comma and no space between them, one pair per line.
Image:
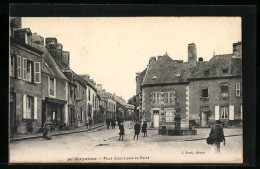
113,49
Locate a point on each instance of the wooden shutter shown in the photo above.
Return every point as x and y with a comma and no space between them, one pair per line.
37,72
19,67
35,108
231,112
24,106
24,68
216,112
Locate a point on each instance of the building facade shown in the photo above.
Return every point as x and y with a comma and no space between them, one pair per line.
25,82
199,92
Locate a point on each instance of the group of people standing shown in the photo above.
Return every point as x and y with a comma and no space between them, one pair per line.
137,129
112,122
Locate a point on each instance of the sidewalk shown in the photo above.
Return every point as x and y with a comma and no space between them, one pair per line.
56,132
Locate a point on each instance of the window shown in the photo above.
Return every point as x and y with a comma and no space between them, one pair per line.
19,70
237,89
71,91
37,72
224,90
169,115
156,97
28,107
206,72
225,71
168,97
27,70
224,112
156,112
52,86
204,92
12,65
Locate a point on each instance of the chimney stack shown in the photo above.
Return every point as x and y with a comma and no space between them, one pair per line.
152,59
200,59
192,53
237,49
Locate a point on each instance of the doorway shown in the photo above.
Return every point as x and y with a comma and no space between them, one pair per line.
156,120
204,119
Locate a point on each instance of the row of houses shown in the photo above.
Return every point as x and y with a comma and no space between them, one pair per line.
42,85
200,92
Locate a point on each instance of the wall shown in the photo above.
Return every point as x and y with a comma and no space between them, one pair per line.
21,87
180,91
214,98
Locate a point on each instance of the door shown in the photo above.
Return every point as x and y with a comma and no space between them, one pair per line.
156,120
43,113
204,119
12,113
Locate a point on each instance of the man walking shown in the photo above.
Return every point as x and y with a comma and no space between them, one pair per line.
217,134
137,128
122,131
144,128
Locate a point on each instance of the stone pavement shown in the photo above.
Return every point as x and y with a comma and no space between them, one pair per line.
19,137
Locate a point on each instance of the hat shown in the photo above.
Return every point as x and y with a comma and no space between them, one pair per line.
218,122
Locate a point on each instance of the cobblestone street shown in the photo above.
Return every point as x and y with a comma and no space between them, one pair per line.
102,145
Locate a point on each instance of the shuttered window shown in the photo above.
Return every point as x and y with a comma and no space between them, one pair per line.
169,116
24,68
237,89
224,112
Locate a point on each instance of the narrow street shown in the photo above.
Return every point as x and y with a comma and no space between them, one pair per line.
102,145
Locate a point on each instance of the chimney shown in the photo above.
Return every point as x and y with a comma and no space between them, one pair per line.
65,60
99,88
152,59
37,39
15,23
237,49
192,53
200,59
159,57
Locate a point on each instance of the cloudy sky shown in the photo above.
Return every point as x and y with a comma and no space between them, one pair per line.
113,50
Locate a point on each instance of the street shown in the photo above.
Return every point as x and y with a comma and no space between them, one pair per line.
103,146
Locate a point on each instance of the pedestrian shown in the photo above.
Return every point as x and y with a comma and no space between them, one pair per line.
108,123
47,129
90,122
113,123
122,131
87,123
144,128
137,128
217,134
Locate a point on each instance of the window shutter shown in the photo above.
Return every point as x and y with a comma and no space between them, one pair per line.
37,72
35,108
19,67
24,106
216,112
24,68
172,97
231,112
54,87
241,112
238,89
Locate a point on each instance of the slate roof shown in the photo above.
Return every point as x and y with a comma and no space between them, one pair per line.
166,71
49,66
216,65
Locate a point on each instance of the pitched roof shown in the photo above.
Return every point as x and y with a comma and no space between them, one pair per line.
216,65
49,66
165,70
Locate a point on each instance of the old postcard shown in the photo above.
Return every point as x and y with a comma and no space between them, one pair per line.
125,90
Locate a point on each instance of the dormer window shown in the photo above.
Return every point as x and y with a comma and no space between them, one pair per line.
206,72
225,71
224,90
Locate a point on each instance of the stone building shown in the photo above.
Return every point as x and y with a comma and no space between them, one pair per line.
25,81
197,91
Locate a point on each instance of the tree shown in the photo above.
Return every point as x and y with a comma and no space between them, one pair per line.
132,100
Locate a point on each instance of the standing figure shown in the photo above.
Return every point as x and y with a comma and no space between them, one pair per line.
108,123
47,129
137,128
113,123
144,129
217,134
122,131
90,122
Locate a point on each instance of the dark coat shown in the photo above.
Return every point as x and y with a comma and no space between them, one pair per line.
137,128
217,133
108,122
113,123
122,130
144,127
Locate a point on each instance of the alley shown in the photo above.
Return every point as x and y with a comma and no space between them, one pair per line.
102,145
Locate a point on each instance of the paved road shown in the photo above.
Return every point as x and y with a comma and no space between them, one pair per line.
102,145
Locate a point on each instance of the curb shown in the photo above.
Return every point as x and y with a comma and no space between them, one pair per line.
204,138
57,134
